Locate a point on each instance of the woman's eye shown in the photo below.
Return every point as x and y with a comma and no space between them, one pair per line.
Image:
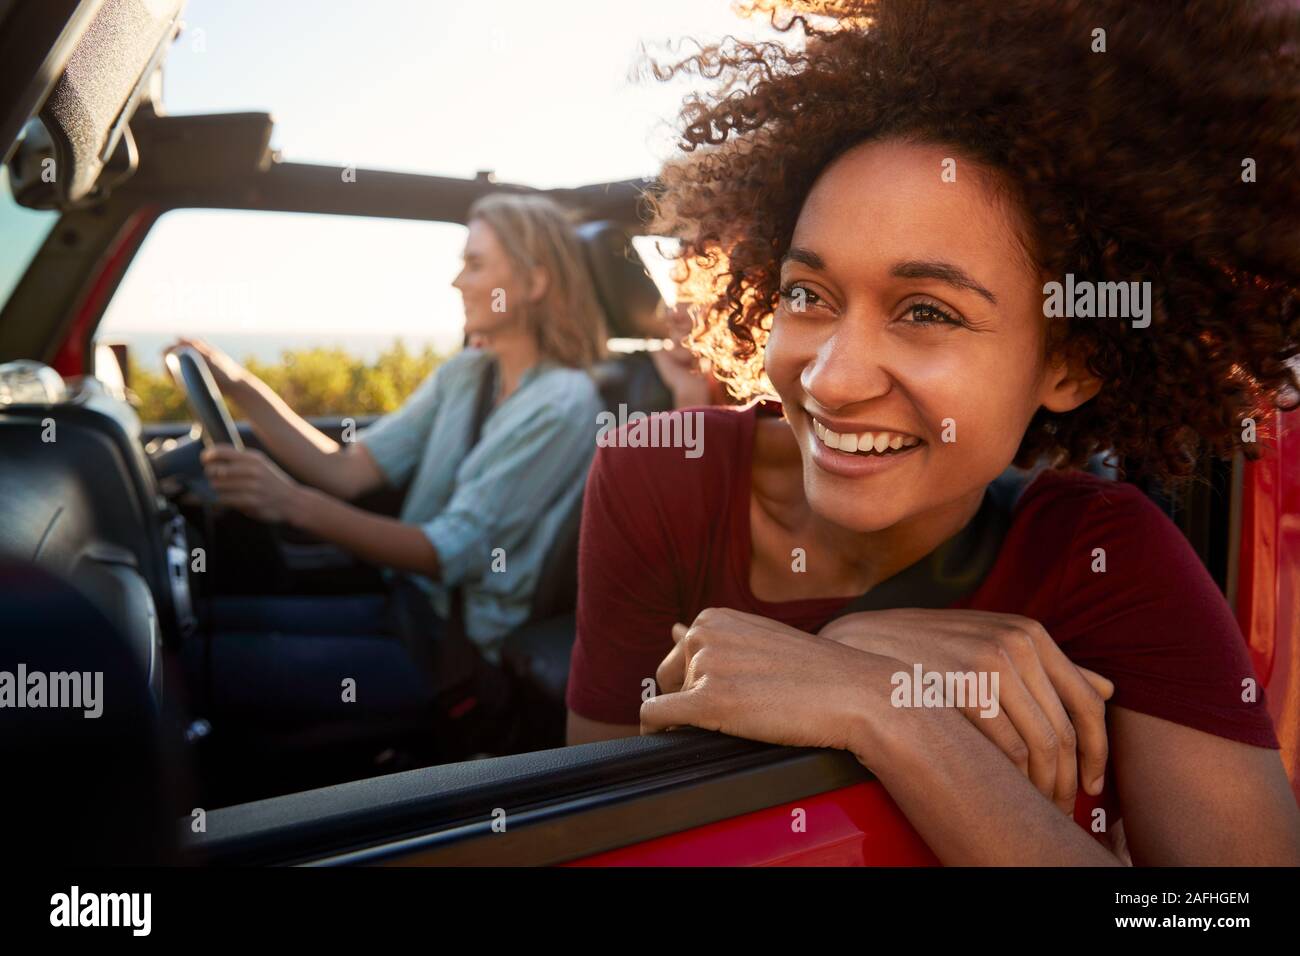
924,313
799,297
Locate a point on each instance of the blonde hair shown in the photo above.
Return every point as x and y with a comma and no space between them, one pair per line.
568,323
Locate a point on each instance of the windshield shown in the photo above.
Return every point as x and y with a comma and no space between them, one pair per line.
22,231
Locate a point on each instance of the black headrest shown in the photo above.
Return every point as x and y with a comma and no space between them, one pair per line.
626,292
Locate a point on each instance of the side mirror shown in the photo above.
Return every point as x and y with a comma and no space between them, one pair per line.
123,356
111,368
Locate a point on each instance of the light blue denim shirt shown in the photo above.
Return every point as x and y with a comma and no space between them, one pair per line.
509,493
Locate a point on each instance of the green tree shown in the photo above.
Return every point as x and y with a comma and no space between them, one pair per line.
318,381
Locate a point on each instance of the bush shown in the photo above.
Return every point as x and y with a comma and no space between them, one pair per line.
319,381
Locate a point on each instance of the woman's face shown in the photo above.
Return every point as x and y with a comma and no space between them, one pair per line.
909,323
488,284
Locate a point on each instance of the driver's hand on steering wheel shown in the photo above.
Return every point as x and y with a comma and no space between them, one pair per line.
227,373
251,482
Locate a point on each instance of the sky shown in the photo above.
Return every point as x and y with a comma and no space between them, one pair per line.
541,94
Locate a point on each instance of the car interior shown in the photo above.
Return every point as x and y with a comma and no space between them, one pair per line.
115,509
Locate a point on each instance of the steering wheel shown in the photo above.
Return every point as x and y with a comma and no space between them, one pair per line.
204,397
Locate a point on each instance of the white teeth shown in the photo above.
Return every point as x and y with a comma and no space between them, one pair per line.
863,442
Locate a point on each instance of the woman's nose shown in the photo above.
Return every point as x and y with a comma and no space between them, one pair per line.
847,369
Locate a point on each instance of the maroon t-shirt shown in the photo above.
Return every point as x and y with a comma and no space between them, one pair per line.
665,536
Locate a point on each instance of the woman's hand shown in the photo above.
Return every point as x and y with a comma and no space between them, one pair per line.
228,374
685,373
752,677
681,373
251,482
1051,718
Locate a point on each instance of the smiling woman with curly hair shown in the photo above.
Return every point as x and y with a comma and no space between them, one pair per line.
953,237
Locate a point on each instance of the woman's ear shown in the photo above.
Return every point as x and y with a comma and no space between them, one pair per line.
538,284
1067,384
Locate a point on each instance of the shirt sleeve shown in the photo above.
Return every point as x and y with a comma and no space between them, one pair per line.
628,588
1155,623
397,440
507,480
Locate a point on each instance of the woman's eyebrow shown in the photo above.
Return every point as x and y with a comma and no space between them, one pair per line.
806,257
944,272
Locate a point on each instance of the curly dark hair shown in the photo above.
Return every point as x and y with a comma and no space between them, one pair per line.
1129,163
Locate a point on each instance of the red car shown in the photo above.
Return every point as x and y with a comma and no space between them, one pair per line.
115,507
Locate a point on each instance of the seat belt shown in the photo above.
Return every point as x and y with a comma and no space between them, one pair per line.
956,568
483,401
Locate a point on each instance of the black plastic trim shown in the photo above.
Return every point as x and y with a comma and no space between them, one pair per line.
561,804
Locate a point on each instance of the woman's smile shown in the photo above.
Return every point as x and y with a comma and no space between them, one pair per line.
864,439
859,454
